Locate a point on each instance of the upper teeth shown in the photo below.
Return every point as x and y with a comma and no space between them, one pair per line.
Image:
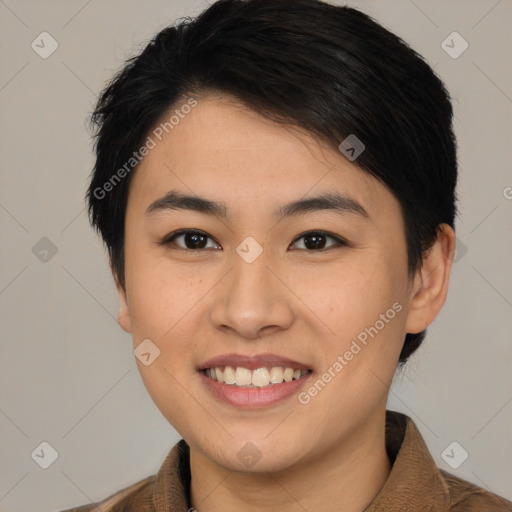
260,377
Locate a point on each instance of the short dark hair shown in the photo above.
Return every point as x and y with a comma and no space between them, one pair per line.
330,69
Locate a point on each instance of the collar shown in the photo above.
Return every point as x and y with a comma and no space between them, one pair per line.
415,482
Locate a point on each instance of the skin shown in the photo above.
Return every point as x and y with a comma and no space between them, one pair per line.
305,304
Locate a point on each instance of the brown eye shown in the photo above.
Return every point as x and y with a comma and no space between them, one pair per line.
188,240
317,241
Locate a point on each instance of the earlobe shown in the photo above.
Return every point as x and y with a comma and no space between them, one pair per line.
430,287
123,316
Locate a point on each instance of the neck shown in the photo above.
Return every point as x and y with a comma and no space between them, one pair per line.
347,477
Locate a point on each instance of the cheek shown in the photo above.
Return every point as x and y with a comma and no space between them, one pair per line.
161,296
363,306
349,296
163,307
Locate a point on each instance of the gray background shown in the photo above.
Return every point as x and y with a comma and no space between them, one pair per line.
68,375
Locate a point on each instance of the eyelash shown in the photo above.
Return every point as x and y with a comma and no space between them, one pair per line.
168,240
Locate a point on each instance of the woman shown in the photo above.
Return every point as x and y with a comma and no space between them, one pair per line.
275,183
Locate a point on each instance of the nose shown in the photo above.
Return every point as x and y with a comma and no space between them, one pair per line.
251,300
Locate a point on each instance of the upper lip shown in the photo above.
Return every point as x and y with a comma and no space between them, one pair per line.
252,362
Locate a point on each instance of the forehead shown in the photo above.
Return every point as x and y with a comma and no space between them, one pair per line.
224,151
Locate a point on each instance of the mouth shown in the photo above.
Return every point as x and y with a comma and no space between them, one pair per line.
252,382
263,377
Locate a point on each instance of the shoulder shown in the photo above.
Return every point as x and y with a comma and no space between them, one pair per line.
468,497
417,483
137,496
168,488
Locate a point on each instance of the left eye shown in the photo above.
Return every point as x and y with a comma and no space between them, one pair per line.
316,241
198,240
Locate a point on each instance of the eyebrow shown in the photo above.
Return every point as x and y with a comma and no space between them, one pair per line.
175,200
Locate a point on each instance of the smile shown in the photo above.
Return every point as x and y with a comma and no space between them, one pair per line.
258,378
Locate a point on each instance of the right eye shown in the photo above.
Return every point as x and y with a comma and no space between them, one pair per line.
191,240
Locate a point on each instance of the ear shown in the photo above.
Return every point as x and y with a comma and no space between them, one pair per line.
123,316
430,287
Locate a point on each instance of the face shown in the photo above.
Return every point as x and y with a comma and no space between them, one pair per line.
320,287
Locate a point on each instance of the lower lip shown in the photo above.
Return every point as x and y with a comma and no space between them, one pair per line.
253,398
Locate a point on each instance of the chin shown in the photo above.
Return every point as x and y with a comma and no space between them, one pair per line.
253,457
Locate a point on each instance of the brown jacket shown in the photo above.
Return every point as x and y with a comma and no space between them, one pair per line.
415,484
